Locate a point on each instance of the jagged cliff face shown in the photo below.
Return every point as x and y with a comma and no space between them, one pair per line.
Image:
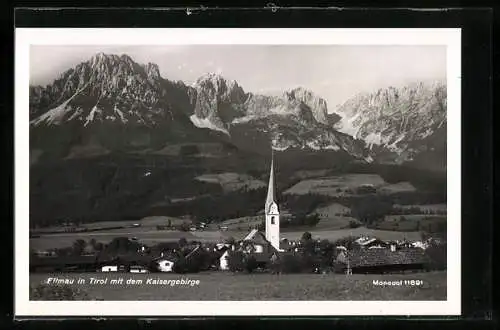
105,88
217,102
403,122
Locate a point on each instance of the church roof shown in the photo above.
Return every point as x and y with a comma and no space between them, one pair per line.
271,191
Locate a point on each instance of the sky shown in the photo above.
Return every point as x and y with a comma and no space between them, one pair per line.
333,72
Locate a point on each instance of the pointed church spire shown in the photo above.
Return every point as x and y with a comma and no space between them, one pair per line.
271,193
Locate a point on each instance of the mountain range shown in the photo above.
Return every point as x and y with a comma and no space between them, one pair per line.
112,103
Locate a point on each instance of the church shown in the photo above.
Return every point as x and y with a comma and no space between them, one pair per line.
256,242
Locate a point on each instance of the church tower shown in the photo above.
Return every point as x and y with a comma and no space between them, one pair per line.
272,212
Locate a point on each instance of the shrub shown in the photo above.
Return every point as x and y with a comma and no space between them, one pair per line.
184,226
182,242
189,150
306,236
57,292
436,254
312,220
290,264
338,267
353,224
180,266
236,261
230,240
250,264
79,246
297,263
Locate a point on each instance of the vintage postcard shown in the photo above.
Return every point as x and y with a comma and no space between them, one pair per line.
237,172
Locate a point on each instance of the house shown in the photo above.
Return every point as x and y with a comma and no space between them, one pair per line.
109,268
255,242
166,262
138,269
380,261
421,245
44,253
370,242
224,260
256,245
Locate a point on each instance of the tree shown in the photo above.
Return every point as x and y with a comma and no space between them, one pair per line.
312,220
99,247
230,240
436,254
183,242
79,247
250,264
353,224
93,243
369,209
306,236
184,226
261,226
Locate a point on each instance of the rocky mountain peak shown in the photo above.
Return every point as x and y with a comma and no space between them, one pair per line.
217,84
152,71
107,87
317,105
397,118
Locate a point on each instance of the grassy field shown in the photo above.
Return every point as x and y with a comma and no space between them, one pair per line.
147,222
340,185
150,236
229,286
232,181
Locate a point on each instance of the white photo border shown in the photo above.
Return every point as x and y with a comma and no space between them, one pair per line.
25,37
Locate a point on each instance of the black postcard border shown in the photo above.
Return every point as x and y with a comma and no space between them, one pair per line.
477,100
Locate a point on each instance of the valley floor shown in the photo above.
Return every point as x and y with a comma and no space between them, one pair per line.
229,286
150,236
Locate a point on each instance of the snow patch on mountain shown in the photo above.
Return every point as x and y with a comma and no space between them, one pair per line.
206,123
91,116
53,116
56,115
348,125
244,119
120,114
332,147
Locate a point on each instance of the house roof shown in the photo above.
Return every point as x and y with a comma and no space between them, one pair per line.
256,236
251,235
378,257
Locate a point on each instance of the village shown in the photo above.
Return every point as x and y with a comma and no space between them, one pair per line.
255,252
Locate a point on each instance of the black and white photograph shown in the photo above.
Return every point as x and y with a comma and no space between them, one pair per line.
238,168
